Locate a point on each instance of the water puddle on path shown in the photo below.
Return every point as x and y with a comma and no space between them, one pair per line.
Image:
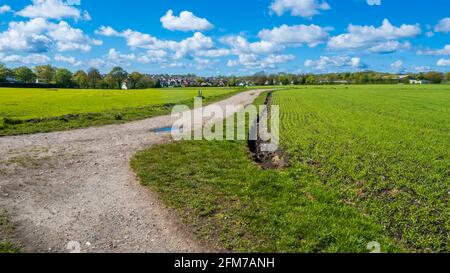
165,130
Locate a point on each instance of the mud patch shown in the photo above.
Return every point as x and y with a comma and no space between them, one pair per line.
277,159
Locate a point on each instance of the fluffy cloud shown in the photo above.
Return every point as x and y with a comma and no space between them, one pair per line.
153,56
4,9
26,37
70,39
137,39
54,9
107,31
116,56
303,8
213,53
443,62
298,34
174,65
190,45
326,62
70,60
272,60
97,63
38,36
31,59
390,47
201,64
436,52
423,68
272,41
186,47
374,2
398,65
443,26
359,37
252,61
187,21
240,45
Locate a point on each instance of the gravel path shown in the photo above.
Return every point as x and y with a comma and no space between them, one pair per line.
76,187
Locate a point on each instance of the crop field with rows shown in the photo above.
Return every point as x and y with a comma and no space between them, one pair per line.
367,164
383,149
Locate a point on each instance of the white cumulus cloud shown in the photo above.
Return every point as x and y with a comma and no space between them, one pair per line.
240,45
436,52
153,56
190,46
443,62
54,9
423,68
252,61
325,62
39,35
26,36
390,47
397,65
443,25
311,35
31,59
107,31
70,60
302,8
213,53
360,37
5,8
114,55
70,39
186,21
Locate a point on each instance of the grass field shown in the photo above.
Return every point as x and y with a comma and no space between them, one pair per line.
5,231
368,163
25,111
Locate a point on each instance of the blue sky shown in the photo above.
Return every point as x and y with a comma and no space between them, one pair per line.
228,37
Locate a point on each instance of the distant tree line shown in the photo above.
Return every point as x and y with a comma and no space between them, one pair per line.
366,77
47,74
92,78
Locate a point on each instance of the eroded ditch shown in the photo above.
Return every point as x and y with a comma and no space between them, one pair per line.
277,159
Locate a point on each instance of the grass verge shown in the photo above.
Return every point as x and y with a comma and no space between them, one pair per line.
5,232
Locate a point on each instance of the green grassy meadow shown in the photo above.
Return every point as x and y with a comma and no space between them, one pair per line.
368,163
24,111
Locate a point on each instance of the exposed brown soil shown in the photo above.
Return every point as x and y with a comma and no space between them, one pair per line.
277,159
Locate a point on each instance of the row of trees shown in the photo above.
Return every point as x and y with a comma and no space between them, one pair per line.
366,77
114,79
80,79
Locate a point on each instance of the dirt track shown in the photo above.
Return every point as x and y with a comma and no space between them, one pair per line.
77,186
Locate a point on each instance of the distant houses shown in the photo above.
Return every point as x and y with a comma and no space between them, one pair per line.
419,82
333,82
175,80
124,85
